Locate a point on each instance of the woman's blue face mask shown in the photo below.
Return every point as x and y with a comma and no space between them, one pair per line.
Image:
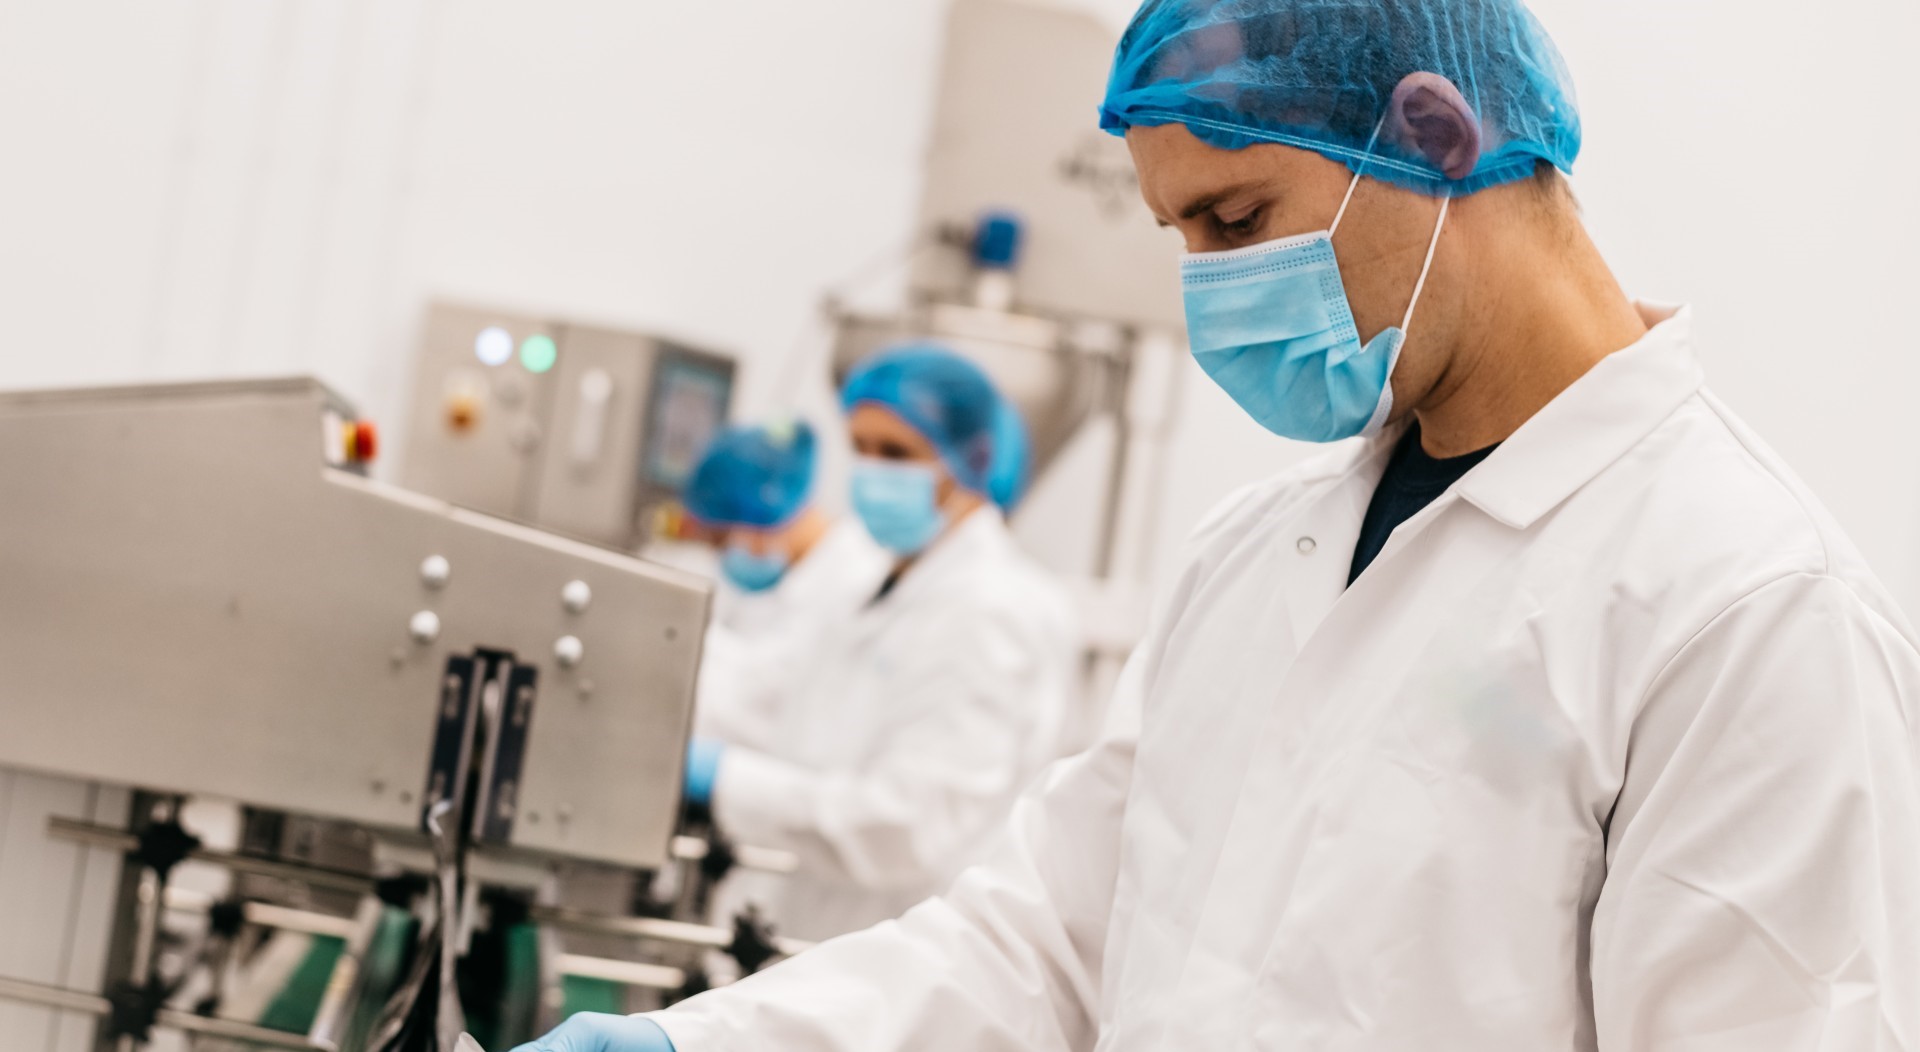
753,573
899,503
1272,326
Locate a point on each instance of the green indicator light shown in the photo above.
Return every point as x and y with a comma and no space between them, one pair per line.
538,353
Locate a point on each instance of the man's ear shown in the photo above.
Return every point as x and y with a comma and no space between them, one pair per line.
1430,117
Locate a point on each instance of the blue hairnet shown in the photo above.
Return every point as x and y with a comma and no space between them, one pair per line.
1319,74
1012,457
752,476
941,395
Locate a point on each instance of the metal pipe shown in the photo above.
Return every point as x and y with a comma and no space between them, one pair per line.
231,1030
94,1004
626,973
146,932
54,997
336,1004
1114,383
679,932
300,873
282,918
266,915
146,927
764,859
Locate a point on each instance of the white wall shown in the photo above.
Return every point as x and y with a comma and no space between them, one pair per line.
199,187
210,187
1758,160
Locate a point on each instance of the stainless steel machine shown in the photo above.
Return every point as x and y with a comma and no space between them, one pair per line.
573,428
424,712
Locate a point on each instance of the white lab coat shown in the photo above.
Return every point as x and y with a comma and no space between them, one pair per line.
760,645
897,761
1613,748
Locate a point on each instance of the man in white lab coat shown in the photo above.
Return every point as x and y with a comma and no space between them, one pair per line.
1552,713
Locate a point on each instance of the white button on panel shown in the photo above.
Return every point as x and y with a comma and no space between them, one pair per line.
576,597
424,627
568,650
434,571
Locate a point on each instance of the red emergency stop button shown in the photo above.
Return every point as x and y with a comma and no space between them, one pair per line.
363,442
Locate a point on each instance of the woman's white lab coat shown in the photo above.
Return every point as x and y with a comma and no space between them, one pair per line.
1613,748
762,644
899,756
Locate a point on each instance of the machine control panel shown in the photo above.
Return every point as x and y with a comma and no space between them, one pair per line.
569,427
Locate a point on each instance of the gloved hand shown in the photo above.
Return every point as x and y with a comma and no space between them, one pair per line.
703,766
598,1032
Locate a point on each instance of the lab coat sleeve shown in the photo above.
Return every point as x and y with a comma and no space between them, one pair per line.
1763,885
937,781
737,699
1007,961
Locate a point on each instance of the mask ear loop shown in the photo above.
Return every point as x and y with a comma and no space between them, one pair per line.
1372,140
1433,246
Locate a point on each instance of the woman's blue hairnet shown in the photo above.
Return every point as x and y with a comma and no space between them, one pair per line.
944,397
751,476
1012,457
1319,74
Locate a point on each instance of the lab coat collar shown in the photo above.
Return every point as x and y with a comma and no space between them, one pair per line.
1591,424
961,546
844,548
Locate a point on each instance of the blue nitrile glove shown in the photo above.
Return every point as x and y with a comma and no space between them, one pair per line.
703,766
599,1032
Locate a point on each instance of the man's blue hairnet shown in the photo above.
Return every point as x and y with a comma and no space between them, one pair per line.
949,401
757,477
1319,74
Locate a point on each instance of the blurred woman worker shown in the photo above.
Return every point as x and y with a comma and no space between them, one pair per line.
790,572
930,709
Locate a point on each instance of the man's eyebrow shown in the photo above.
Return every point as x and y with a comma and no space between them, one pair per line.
1207,203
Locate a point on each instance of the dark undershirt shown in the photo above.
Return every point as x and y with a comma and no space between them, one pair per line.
1413,481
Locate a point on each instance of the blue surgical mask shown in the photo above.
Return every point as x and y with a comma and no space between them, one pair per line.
753,573
899,503
1272,326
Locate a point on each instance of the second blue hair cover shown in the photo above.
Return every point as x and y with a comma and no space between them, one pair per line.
949,400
